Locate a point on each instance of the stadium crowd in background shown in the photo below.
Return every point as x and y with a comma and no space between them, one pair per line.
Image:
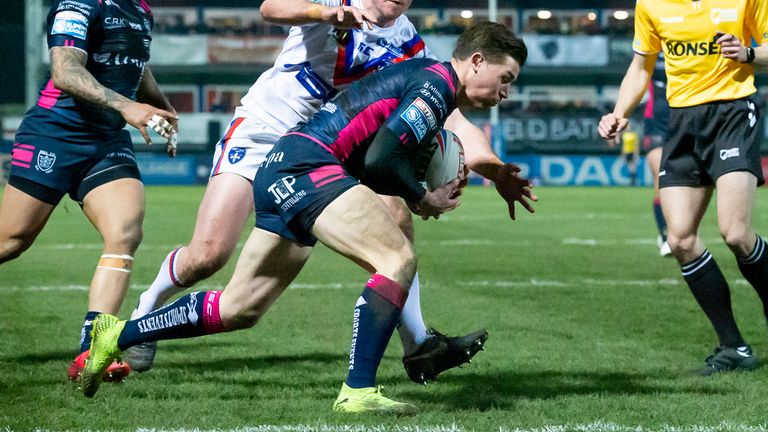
564,23
325,175
73,142
712,142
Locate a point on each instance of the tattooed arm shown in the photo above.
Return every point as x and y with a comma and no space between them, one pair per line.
69,74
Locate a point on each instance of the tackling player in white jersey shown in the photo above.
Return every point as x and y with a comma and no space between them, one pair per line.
329,46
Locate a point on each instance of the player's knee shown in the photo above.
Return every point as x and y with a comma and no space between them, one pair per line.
12,248
124,238
681,245
737,237
204,262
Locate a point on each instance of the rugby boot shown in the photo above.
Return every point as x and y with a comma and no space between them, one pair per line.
104,350
440,353
369,400
116,372
726,359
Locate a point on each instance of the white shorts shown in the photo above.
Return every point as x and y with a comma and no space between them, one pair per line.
243,148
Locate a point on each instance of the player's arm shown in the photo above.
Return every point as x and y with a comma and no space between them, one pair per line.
756,22
390,170
731,47
69,74
300,12
631,92
480,158
150,93
761,55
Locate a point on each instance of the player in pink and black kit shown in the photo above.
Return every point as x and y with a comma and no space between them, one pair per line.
656,119
73,142
331,44
320,182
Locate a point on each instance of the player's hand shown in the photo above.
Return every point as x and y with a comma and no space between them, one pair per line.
438,201
731,47
610,127
513,188
170,146
346,17
173,139
464,179
143,116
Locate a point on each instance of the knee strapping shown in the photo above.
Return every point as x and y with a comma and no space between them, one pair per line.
121,263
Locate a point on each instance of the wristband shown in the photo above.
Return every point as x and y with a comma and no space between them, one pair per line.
750,55
314,12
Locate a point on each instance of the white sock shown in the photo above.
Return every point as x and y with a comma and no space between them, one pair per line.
412,330
165,285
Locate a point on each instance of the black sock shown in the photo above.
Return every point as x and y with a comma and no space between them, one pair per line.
661,224
376,314
710,289
755,270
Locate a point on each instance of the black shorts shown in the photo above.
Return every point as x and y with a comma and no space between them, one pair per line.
295,184
706,141
47,167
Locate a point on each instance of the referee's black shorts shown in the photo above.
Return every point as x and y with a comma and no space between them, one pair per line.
708,140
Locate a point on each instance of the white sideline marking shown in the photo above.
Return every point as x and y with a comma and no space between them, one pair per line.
525,283
598,426
99,246
321,428
601,426
201,287
614,242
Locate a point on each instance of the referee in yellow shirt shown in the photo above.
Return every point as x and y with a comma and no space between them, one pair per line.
712,142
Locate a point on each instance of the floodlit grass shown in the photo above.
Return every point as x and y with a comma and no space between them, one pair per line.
589,328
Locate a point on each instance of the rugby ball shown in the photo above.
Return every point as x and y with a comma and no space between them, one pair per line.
447,161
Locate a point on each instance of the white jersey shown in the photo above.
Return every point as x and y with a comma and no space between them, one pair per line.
317,61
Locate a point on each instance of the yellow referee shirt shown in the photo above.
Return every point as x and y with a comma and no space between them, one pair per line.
685,30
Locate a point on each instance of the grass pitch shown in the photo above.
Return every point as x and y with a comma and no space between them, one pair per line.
589,329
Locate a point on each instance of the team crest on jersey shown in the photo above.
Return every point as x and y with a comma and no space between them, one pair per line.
718,15
236,154
419,117
45,161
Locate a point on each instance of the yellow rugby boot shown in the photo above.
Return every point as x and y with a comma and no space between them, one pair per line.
369,400
104,350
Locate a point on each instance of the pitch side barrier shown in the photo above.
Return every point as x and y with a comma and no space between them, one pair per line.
553,147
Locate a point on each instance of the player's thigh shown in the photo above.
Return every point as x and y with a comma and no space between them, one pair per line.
358,225
400,213
266,266
735,201
683,207
224,210
22,216
116,209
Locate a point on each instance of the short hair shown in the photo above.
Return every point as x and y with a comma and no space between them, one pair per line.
495,41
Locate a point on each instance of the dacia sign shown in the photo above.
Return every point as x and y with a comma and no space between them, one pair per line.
575,170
